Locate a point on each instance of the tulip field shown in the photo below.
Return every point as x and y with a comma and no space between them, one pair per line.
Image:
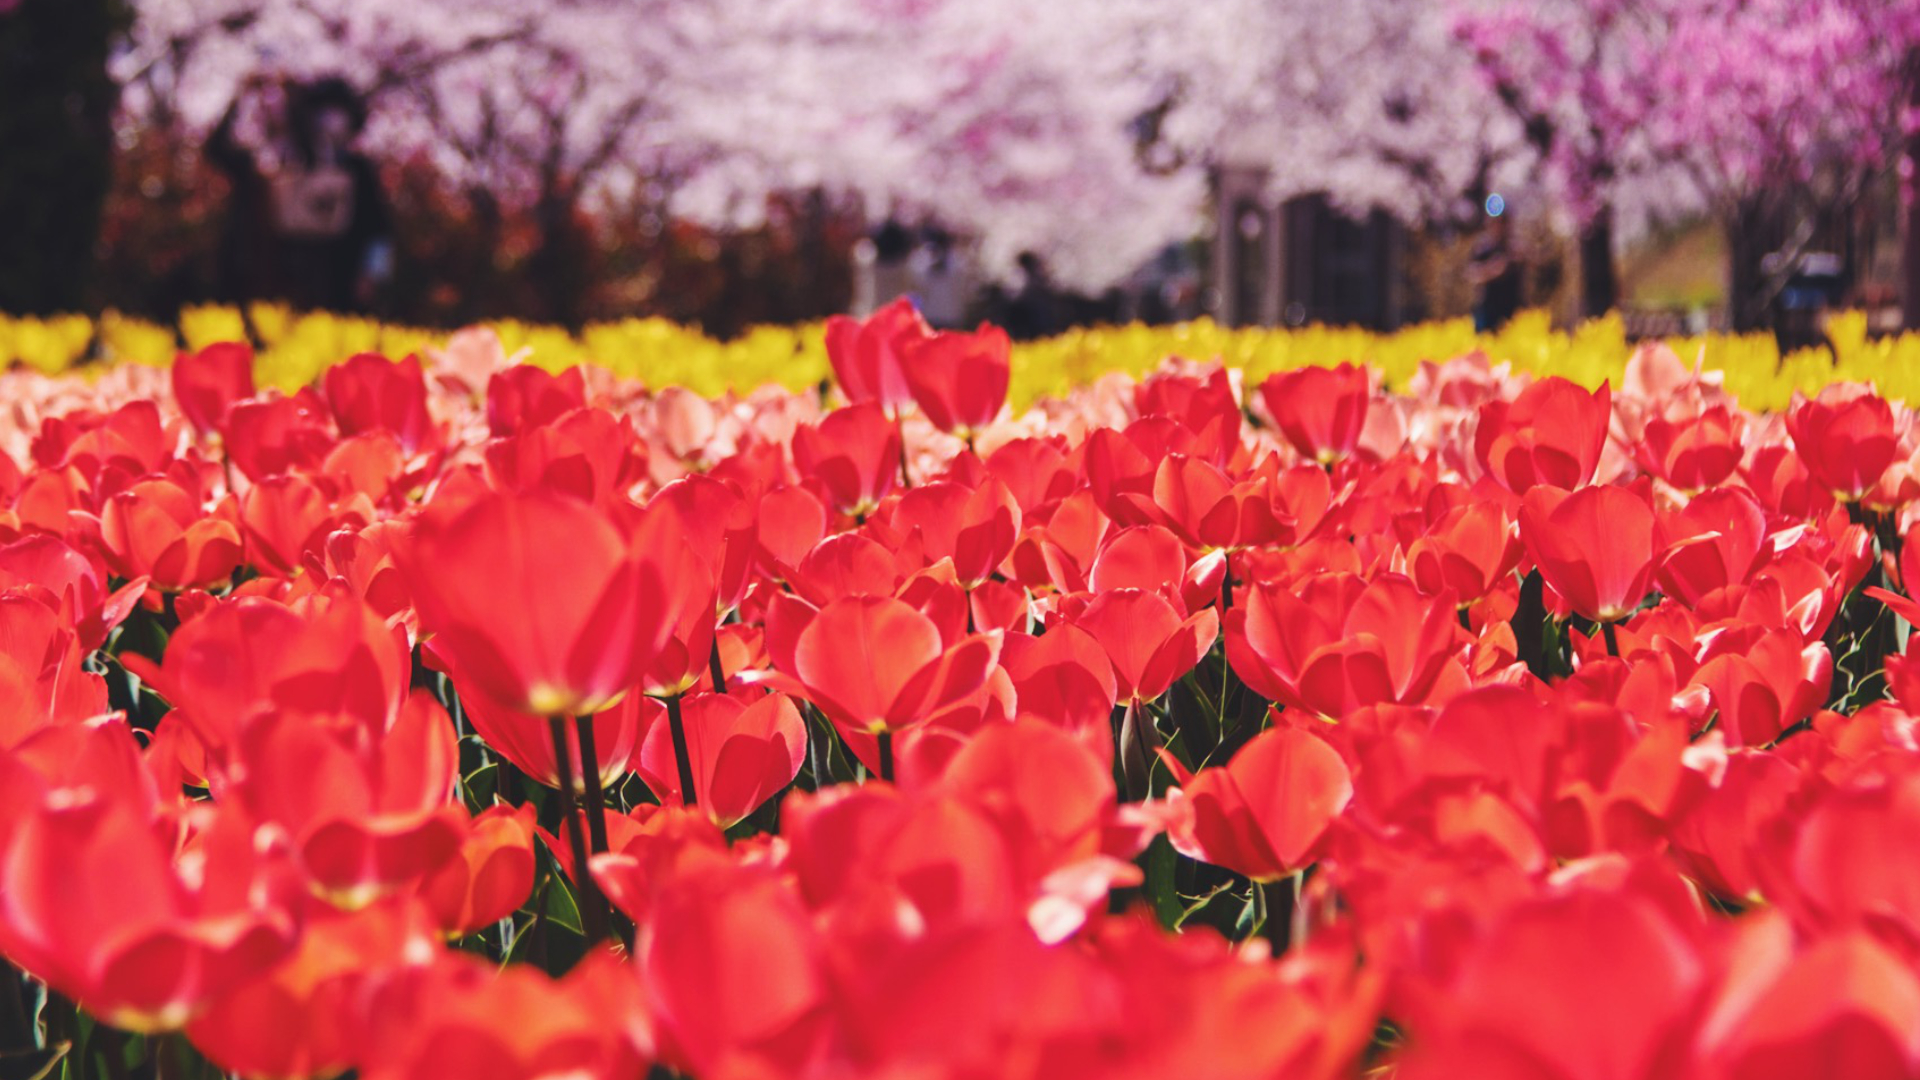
1144,703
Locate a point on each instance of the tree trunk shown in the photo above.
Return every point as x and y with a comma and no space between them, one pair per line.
1599,284
477,299
1749,238
558,264
56,113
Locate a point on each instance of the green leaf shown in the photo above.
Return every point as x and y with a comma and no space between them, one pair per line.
480,785
522,942
1252,918
562,909
33,1064
1201,903
1161,864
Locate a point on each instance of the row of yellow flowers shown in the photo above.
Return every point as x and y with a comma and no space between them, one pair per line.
294,348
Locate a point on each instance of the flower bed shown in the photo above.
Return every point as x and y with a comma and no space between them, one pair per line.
456,717
293,349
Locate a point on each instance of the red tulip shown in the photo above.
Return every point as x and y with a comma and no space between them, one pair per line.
980,999
789,522
987,842
463,1016
742,754
109,450
1064,677
648,850
943,862
1844,1006
1713,838
1845,441
301,1016
525,396
1200,408
1035,470
845,564
1594,546
249,655
1842,862
590,454
71,585
1552,433
269,436
1335,643
1469,551
1321,411
206,384
1051,794
1145,557
998,605
1206,509
285,519
1628,1014
490,877
718,524
732,969
1693,453
1266,812
958,379
368,392
1116,465
1718,539
872,663
975,528
376,467
536,601
365,811
93,903
855,455
526,740
1183,993
362,563
158,530
867,355
1149,644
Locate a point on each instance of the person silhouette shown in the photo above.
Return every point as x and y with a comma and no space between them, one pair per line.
1495,273
308,220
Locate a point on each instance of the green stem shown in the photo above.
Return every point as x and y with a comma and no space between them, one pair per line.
1133,753
1226,668
885,740
590,769
510,787
593,922
819,747
900,428
1297,927
682,759
1613,640
596,814
1270,920
715,670
16,1024
163,1055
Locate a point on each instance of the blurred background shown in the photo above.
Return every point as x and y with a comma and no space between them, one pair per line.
1744,164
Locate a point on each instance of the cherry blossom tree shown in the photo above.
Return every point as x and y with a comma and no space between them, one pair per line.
1084,130
1378,107
972,113
1757,110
